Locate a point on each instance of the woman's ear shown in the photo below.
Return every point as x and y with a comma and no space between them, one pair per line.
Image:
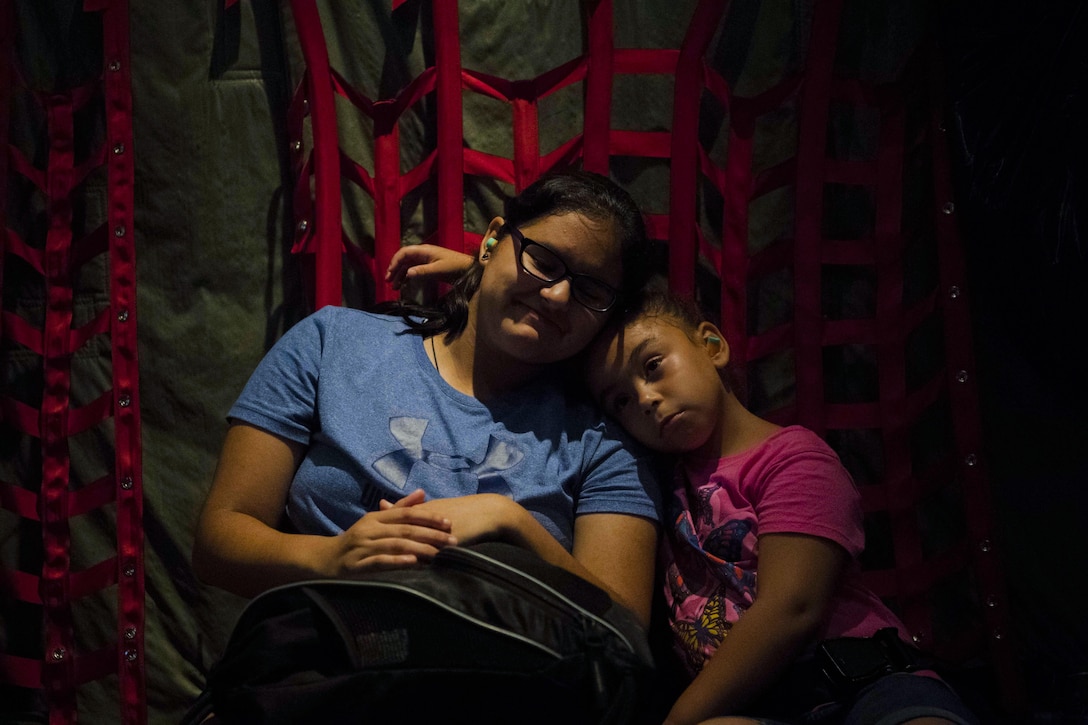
714,343
490,239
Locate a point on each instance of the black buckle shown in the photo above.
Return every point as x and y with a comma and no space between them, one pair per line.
851,663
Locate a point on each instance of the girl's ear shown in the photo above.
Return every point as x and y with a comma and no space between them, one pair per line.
490,239
714,342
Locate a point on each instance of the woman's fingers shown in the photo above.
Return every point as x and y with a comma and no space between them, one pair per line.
404,547
397,535
411,499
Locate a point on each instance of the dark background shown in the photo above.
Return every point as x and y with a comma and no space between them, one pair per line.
1018,114
217,283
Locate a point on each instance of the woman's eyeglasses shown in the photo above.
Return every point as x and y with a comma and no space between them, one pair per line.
538,261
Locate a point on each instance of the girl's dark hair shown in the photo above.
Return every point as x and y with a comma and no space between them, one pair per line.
656,301
660,302
583,192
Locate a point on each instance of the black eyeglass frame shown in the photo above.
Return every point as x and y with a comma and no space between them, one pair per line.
522,242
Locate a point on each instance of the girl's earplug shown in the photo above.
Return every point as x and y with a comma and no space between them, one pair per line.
713,339
491,242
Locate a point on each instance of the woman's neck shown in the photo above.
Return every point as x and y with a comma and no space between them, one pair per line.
474,369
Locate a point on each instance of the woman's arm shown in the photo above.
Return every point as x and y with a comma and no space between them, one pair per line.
239,547
619,552
614,551
798,576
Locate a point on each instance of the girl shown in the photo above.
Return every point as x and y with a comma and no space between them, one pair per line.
764,528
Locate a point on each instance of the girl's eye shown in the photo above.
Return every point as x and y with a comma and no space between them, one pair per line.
653,364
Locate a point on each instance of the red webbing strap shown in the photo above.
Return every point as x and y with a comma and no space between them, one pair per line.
477,162
526,140
20,502
354,172
450,162
301,162
7,58
86,416
325,226
776,256
523,96
596,144
302,204
129,572
648,144
387,194
92,496
660,61
544,84
566,154
387,186
684,179
967,430
98,326
736,193
27,673
20,671
33,257
890,341
482,164
18,330
24,168
24,587
58,673
418,174
808,325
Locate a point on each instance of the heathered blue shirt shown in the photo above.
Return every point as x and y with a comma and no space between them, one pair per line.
379,422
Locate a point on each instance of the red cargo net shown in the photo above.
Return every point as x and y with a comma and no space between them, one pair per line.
919,422
50,496
914,427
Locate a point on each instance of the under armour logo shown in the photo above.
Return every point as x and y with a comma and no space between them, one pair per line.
396,466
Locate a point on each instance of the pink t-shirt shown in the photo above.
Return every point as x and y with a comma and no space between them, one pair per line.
791,483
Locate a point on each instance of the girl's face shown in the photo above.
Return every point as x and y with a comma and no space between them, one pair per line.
538,322
662,382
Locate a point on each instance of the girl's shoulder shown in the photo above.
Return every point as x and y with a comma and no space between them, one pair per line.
787,447
778,443
796,438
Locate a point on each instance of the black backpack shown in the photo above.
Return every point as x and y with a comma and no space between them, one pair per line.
484,634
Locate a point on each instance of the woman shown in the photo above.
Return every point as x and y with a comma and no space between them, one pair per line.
367,441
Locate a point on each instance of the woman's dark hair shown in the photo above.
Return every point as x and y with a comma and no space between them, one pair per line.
583,192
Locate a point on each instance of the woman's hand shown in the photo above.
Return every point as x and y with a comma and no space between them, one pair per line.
240,547
624,571
398,535
478,517
426,261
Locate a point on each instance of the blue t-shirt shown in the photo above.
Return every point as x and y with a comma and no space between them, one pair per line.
379,422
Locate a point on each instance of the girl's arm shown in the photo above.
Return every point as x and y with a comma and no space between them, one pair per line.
614,551
424,261
239,547
798,575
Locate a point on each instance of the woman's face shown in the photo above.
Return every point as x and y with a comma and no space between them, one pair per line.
538,322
